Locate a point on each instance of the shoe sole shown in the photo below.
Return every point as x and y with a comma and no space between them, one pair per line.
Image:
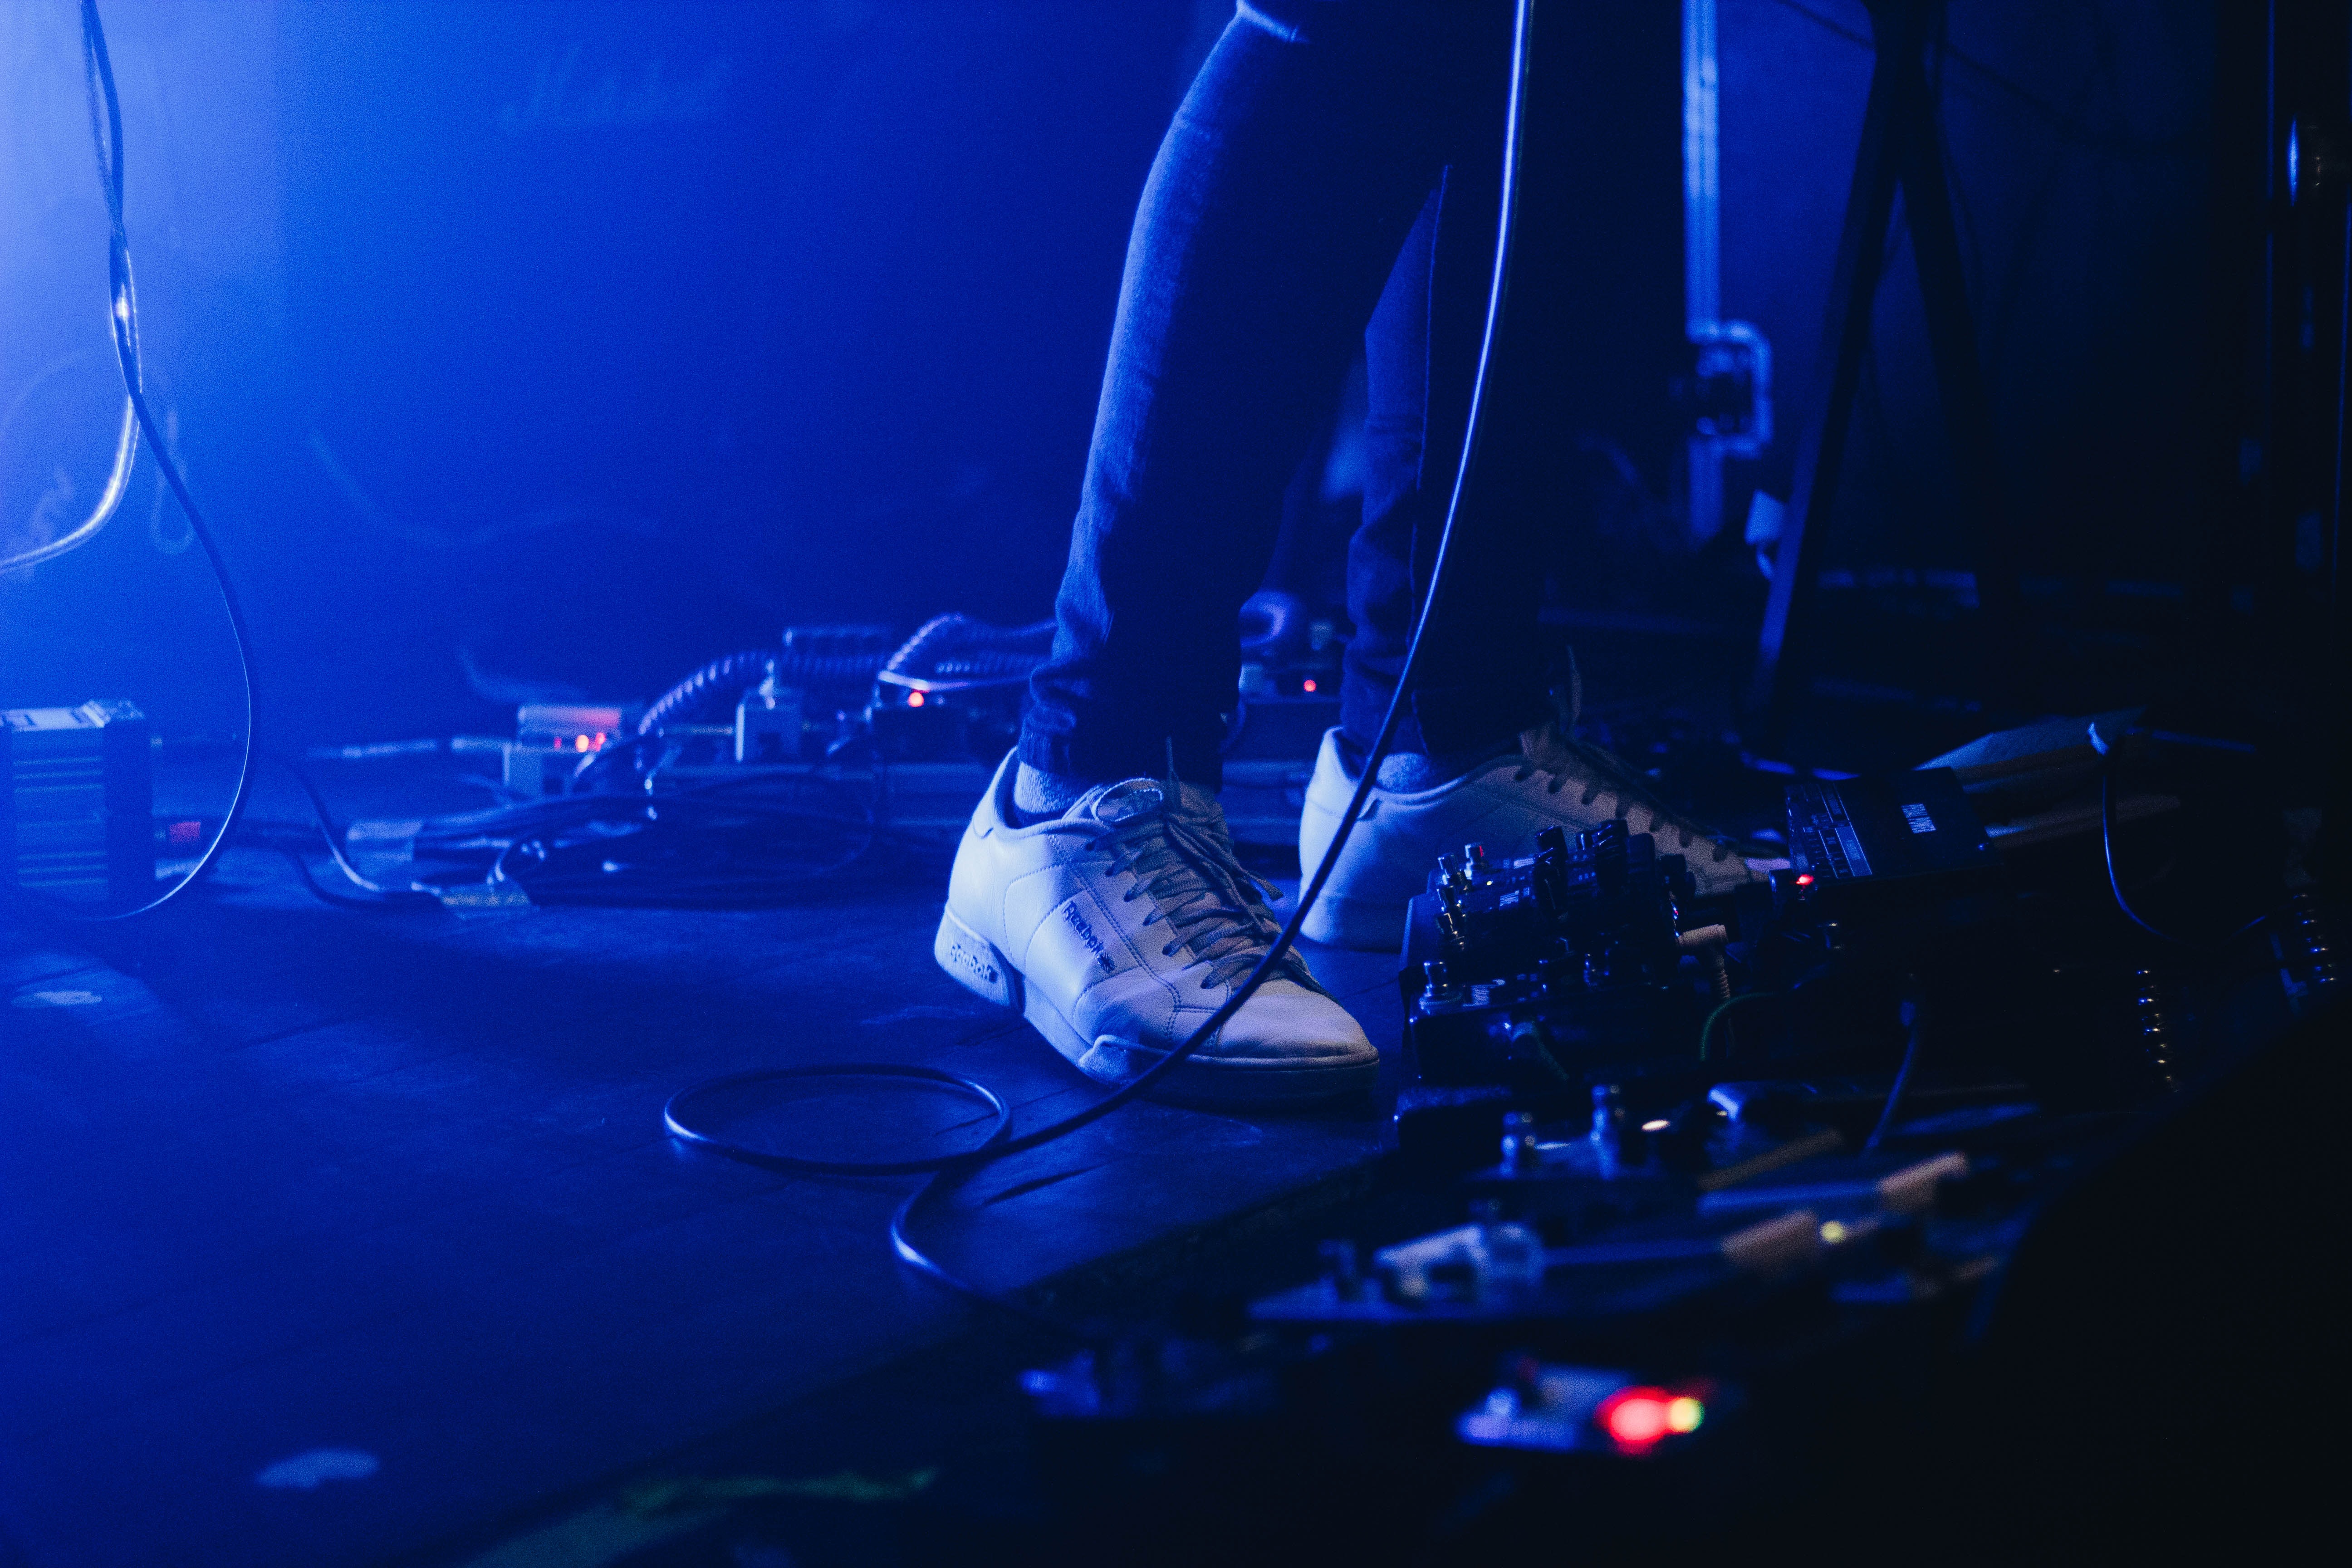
973,961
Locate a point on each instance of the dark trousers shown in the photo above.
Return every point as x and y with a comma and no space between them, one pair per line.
1333,172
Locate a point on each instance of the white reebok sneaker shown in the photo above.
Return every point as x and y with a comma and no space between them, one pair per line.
1119,926
1502,805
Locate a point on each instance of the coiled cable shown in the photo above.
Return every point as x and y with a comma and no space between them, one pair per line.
728,677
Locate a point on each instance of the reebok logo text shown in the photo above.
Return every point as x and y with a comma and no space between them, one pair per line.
1077,923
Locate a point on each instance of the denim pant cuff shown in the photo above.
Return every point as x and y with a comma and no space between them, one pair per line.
1144,758
1447,719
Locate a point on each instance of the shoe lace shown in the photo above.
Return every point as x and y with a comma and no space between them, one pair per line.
1184,863
1603,772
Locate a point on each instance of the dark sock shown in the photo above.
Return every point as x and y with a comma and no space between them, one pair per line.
1039,796
1408,773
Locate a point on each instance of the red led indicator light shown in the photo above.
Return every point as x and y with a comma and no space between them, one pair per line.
1306,685
1639,1419
914,699
1805,878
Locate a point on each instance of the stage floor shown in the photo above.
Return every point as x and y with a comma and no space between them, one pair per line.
347,1237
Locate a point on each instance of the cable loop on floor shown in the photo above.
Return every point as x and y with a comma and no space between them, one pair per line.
674,1119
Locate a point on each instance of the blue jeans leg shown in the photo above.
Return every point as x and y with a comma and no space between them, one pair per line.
1268,238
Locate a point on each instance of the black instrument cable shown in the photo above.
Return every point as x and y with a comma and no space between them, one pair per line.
947,1173
2107,747
122,315
378,896
1915,1024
